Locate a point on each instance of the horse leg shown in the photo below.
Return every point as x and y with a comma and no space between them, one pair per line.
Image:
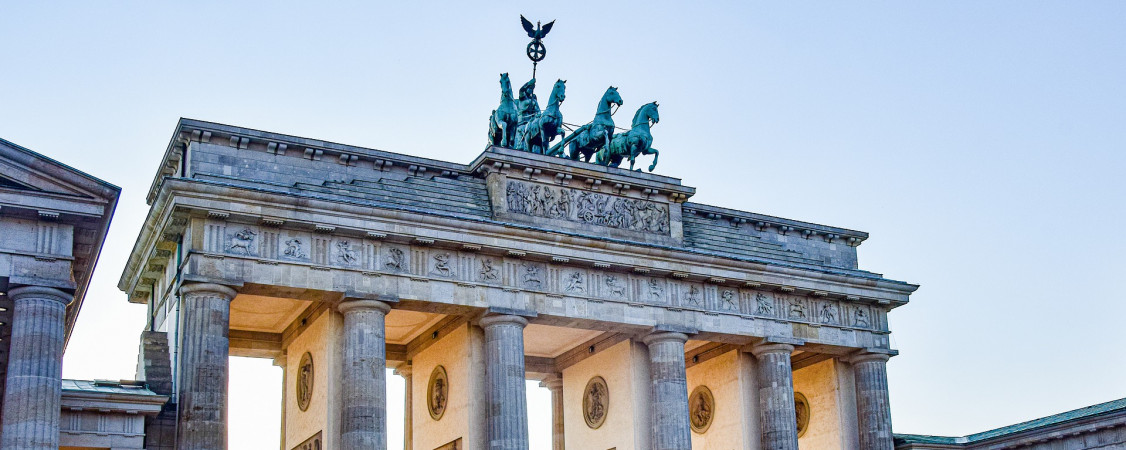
656,154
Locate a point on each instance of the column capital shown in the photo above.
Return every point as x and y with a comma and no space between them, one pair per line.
662,336
766,347
43,292
404,370
552,382
866,356
500,319
348,306
194,287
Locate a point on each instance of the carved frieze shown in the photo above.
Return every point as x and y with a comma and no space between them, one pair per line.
584,207
488,270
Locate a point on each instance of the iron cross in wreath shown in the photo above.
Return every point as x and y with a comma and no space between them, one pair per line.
536,50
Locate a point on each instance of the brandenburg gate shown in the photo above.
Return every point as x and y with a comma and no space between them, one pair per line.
657,323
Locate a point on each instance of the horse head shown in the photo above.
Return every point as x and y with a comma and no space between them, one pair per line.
558,91
505,85
645,114
611,97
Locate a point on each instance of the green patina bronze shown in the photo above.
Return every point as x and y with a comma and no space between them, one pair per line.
503,121
633,143
538,133
588,139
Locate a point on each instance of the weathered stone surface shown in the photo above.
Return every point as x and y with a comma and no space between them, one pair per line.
669,424
776,396
554,384
364,375
34,381
203,366
506,403
873,410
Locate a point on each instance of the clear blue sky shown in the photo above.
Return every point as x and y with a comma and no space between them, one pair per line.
981,143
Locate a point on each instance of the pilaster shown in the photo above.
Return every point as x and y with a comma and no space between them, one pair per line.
554,384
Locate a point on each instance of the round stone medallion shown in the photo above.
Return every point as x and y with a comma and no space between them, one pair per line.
438,392
801,410
701,407
305,381
596,402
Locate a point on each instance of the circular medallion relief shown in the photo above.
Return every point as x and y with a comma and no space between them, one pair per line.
701,408
437,392
305,381
596,400
801,410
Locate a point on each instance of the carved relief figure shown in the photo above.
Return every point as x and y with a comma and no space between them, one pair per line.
656,291
828,313
701,407
437,393
395,259
575,283
802,412
861,318
797,311
616,289
344,252
596,402
765,304
442,265
293,249
694,296
305,381
532,277
488,272
243,239
728,297
587,207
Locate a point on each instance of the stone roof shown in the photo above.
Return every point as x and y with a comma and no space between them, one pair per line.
1114,406
108,387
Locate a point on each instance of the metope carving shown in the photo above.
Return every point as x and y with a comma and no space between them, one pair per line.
305,381
596,402
693,296
587,207
860,319
442,265
533,276
293,249
396,259
488,271
244,240
701,408
656,291
797,310
728,297
345,253
437,393
828,313
765,304
614,287
575,283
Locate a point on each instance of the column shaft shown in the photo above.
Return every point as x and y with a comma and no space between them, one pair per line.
776,396
873,410
406,372
204,366
364,375
506,407
555,384
669,390
34,381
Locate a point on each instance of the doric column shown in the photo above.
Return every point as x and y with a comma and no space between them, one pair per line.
364,375
668,386
506,409
776,396
282,361
205,310
554,383
873,411
404,370
34,384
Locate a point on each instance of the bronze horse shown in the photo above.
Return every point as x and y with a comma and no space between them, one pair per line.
635,142
588,139
545,126
502,122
